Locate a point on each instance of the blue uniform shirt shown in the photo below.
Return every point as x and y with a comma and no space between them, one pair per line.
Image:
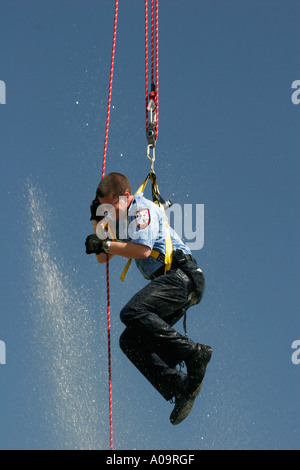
147,226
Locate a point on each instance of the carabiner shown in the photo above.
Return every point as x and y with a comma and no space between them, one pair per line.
152,159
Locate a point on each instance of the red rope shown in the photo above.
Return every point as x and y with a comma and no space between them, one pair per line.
107,259
146,60
152,41
110,86
153,14
109,358
156,66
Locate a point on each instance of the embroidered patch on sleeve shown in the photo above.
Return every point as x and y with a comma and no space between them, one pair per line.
142,218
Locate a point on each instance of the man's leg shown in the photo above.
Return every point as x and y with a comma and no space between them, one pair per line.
163,376
150,314
149,309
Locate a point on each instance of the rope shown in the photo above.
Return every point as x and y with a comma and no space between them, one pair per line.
156,66
110,86
107,258
146,60
153,84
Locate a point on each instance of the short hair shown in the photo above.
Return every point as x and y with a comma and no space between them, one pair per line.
113,185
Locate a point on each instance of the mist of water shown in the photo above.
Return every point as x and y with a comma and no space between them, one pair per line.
70,348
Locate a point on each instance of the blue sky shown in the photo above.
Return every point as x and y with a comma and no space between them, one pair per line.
228,139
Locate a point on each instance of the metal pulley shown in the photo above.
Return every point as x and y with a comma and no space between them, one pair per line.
151,132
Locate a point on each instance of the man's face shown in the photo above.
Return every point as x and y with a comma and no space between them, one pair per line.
117,208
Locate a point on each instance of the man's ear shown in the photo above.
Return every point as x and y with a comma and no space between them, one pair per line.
129,197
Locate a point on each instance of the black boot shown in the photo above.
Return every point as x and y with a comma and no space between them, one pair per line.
196,363
191,387
184,402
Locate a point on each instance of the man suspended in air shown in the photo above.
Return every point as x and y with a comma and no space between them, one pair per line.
149,339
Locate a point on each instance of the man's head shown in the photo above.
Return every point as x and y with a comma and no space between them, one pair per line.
114,189
113,185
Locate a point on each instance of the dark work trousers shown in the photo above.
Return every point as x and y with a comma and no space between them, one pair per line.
149,340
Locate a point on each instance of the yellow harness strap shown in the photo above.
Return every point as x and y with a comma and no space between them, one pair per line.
122,277
168,242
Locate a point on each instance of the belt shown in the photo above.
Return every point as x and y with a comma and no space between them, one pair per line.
160,271
161,257
158,256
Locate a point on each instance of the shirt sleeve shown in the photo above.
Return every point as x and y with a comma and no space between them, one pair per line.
144,226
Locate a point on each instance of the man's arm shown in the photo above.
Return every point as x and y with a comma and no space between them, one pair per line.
127,249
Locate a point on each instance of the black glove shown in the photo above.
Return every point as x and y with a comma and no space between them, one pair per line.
94,206
93,244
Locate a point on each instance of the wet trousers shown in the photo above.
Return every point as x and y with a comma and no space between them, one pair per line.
149,340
